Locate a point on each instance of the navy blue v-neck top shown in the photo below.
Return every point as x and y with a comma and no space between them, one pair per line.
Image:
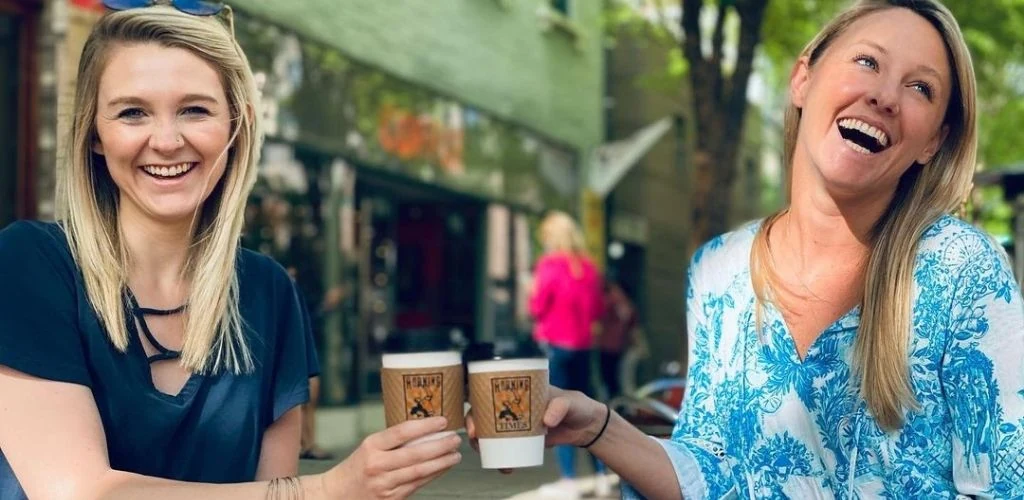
212,430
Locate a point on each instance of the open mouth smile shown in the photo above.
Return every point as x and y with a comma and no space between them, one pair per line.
169,171
862,136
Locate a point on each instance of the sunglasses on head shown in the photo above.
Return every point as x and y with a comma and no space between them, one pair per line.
194,7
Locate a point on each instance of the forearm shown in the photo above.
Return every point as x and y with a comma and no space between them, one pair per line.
637,459
116,485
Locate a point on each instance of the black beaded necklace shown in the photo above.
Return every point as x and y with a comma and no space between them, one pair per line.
140,314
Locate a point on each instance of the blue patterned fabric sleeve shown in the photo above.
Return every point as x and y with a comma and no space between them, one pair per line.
696,449
983,370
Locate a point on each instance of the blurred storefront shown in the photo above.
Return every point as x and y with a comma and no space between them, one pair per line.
400,211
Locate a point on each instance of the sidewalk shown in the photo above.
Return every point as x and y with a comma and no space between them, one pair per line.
341,429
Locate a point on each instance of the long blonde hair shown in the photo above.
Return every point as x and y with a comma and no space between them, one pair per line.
924,193
559,233
87,198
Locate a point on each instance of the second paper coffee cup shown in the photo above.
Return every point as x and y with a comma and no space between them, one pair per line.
508,393
422,378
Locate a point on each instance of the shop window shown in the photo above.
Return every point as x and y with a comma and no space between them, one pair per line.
561,6
558,14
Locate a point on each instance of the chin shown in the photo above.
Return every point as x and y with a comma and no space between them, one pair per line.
844,181
175,216
173,212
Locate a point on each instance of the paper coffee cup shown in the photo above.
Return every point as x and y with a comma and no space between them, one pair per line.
421,385
508,397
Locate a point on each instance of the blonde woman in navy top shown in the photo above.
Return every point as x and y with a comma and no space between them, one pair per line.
143,354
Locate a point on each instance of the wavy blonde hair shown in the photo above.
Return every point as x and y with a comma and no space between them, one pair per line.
87,198
924,193
559,233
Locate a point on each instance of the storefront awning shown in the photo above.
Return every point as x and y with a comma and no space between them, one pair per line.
610,162
1011,177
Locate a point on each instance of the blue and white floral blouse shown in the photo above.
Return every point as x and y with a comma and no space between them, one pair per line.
757,422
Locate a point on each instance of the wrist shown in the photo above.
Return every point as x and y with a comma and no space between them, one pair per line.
320,486
600,416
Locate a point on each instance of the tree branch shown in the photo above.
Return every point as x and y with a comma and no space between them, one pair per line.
659,6
717,42
703,76
691,32
751,14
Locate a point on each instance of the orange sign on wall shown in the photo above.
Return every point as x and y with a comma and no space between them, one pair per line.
96,5
412,136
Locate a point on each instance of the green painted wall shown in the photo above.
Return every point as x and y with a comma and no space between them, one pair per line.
498,55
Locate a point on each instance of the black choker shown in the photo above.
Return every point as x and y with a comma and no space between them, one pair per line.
140,313
145,311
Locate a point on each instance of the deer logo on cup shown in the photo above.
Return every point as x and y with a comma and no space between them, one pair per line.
423,395
507,413
511,404
419,411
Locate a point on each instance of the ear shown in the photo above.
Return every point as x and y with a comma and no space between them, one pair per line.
799,80
933,145
97,147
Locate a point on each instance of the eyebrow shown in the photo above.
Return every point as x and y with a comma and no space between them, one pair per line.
136,101
924,68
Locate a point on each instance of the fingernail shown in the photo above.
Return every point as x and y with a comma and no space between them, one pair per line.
442,422
458,457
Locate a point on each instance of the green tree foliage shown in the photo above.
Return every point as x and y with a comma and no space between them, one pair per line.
993,30
768,35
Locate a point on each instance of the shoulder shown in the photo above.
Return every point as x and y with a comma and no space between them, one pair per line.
551,262
550,259
26,244
258,271
952,245
964,261
32,234
727,253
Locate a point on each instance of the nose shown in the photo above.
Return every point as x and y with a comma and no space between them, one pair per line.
166,138
885,98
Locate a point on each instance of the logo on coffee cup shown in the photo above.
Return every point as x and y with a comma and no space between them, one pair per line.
511,404
423,395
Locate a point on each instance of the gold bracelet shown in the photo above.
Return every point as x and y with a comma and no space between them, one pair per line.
272,488
276,489
296,486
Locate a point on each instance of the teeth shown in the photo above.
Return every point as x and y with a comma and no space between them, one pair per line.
167,171
856,147
854,123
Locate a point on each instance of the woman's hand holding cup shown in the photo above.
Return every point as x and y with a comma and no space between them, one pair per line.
570,418
384,467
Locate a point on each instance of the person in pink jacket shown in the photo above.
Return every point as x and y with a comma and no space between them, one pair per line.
566,304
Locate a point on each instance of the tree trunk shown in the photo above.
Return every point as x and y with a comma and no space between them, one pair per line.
719,105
